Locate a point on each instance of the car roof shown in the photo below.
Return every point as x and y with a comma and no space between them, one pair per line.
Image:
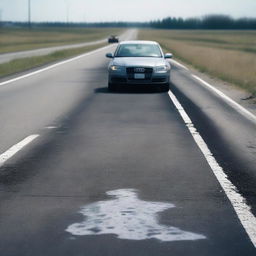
138,42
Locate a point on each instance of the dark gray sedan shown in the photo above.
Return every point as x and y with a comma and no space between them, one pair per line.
139,63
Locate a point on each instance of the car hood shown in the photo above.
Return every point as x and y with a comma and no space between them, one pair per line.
138,61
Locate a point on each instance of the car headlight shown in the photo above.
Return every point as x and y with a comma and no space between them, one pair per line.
115,68
162,69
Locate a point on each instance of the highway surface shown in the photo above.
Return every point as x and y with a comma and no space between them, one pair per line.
124,173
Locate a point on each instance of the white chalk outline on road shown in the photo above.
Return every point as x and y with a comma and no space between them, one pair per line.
238,202
54,65
16,148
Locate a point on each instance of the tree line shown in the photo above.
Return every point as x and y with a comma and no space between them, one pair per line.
206,22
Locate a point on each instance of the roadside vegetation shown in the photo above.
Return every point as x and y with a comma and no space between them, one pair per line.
24,64
20,39
226,54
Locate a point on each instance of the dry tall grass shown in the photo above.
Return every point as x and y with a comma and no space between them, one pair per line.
229,55
19,39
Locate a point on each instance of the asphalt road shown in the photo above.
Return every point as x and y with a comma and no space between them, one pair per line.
120,173
6,57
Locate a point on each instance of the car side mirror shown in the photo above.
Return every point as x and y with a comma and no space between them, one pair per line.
168,56
109,55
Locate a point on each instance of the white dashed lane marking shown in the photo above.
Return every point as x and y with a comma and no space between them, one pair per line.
16,148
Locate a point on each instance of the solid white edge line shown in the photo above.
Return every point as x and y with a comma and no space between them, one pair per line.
16,148
238,202
231,102
179,64
54,65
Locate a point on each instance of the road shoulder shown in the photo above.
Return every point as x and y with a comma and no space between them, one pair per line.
239,95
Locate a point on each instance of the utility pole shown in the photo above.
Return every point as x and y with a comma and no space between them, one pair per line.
29,14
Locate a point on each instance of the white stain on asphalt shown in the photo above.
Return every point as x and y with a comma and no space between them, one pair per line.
128,217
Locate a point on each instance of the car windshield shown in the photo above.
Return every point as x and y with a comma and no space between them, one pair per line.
138,50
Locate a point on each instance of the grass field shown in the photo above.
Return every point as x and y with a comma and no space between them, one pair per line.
24,64
20,39
228,55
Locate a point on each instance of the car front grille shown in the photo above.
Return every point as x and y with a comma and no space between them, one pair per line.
133,70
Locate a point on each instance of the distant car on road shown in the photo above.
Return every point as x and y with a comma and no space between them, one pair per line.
139,63
113,39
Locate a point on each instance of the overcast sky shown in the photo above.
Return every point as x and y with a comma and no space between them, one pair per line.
122,10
